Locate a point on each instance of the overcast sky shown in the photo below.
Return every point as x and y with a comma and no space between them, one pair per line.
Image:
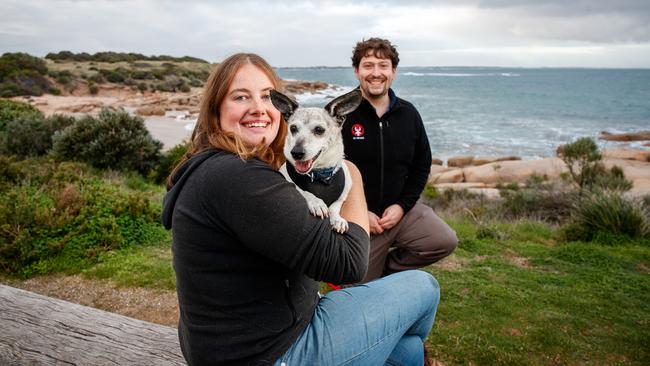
582,33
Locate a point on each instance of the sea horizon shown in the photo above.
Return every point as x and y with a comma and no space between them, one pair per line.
502,111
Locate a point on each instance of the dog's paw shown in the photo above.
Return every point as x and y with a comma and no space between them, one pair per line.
317,207
339,224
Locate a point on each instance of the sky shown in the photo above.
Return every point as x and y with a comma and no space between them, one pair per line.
526,33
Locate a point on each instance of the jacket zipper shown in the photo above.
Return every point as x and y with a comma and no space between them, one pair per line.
381,161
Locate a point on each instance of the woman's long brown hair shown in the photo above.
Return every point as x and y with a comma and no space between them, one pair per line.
208,132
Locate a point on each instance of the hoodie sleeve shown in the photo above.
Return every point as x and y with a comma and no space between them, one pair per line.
419,172
268,215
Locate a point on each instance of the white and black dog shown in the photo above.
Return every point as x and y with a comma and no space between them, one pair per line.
314,152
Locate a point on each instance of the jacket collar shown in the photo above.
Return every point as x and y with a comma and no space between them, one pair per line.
392,97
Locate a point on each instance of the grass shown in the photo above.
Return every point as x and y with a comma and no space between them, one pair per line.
512,294
149,267
525,299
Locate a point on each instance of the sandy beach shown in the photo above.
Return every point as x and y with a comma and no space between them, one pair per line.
168,130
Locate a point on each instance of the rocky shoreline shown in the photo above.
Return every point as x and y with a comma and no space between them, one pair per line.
170,116
484,174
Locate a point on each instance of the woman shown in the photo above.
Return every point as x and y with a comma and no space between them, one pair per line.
248,255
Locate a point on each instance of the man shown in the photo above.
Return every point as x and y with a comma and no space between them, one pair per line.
386,139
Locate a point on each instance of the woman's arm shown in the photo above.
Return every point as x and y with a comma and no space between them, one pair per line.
354,208
265,212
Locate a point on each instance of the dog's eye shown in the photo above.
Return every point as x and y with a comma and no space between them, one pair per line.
293,129
318,130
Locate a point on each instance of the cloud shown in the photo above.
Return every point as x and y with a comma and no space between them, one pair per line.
307,33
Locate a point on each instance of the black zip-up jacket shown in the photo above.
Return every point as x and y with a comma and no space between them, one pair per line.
392,153
247,255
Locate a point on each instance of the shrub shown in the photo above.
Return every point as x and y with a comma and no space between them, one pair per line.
582,158
93,88
115,76
114,140
601,215
196,83
58,216
538,199
10,110
31,135
22,74
97,78
10,63
168,162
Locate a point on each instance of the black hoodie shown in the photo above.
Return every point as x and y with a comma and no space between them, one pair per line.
247,257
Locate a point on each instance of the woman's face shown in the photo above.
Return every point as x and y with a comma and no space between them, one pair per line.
247,110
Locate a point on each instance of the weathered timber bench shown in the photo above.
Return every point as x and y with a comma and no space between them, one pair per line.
40,330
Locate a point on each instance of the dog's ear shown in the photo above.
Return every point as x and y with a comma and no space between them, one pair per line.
343,105
283,103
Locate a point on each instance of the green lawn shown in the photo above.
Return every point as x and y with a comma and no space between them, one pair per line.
524,299
511,295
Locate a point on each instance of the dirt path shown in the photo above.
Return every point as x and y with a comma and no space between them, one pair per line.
156,306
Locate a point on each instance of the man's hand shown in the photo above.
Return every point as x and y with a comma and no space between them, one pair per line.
392,215
373,220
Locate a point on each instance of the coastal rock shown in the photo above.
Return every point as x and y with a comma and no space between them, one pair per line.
436,161
446,175
627,154
476,188
301,87
515,171
633,169
482,160
635,136
465,161
462,185
436,169
460,161
87,107
489,193
151,110
640,188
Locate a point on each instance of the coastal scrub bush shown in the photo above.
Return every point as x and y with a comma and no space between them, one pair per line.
58,216
168,162
31,134
115,57
10,110
583,159
92,87
118,75
538,199
113,140
601,216
22,74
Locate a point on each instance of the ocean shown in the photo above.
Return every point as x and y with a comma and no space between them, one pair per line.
487,111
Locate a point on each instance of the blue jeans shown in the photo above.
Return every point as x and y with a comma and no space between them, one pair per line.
383,322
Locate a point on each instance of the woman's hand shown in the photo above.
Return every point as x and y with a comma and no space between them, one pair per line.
354,208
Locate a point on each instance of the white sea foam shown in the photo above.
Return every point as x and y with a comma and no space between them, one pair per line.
322,97
457,74
190,126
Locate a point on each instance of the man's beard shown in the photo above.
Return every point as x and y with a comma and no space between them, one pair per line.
375,95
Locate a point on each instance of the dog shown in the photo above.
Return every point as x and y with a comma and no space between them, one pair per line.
314,152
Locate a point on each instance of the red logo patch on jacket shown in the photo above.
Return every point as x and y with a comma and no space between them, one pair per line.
358,131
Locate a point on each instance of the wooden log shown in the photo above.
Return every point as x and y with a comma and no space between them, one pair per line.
39,330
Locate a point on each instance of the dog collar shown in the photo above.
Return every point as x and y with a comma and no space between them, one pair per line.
322,175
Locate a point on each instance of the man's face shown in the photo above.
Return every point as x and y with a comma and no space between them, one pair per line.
375,76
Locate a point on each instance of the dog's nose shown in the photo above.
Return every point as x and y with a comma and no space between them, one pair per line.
298,152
